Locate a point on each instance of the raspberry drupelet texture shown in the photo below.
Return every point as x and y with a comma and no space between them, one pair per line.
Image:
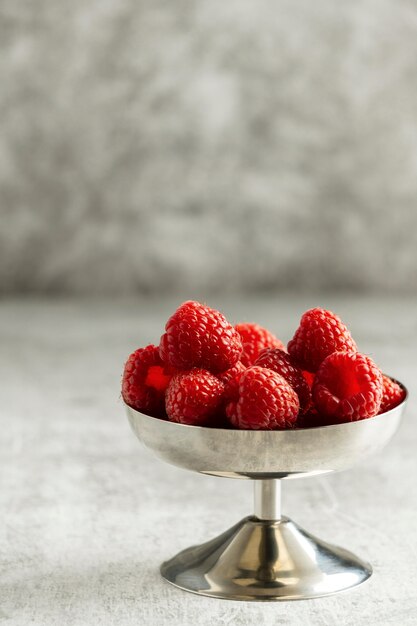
255,338
230,378
313,419
145,379
392,394
194,397
197,336
319,334
263,400
281,363
309,376
231,373
348,387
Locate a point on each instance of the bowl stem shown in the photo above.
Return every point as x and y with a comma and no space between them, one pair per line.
267,499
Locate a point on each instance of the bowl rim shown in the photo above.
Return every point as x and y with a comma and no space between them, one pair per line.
283,430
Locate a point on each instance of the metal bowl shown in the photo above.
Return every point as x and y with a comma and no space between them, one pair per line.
265,453
266,556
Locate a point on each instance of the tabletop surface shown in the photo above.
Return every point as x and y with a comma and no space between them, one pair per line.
87,514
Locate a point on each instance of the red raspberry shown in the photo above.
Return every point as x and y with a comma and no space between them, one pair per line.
313,419
264,401
281,363
230,378
231,373
348,387
193,397
145,379
309,378
392,394
197,336
255,338
319,334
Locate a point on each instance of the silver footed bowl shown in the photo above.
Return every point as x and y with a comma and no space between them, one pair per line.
265,453
266,556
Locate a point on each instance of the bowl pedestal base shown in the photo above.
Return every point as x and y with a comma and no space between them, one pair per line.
265,557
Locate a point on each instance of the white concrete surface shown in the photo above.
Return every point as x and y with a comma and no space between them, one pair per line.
87,514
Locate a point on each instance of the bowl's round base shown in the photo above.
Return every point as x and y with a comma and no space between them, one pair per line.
265,560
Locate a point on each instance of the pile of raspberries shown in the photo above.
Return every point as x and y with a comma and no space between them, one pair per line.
206,372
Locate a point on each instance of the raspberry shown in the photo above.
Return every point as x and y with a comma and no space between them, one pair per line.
193,397
392,394
231,373
280,362
145,379
309,376
313,419
254,340
263,401
319,334
348,387
230,378
197,336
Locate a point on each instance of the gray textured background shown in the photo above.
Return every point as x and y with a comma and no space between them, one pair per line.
156,145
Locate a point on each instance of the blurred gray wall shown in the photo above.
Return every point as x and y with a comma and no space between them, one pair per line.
208,144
